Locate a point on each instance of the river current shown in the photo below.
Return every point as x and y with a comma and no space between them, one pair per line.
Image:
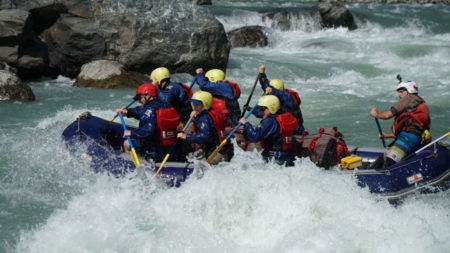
52,202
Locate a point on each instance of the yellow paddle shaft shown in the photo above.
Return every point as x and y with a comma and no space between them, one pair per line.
214,153
135,158
162,164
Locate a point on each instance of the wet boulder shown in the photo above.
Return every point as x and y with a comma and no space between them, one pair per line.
141,35
30,67
13,26
248,36
20,47
12,88
334,14
73,41
108,74
81,8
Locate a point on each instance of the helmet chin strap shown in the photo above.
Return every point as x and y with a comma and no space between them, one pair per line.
148,100
163,84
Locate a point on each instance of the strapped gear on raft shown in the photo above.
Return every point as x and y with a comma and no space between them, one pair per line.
277,84
271,102
146,89
409,86
215,75
204,97
160,74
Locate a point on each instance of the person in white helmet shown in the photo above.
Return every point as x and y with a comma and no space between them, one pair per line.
412,119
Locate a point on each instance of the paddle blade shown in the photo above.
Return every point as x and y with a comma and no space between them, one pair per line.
162,165
214,153
112,119
134,157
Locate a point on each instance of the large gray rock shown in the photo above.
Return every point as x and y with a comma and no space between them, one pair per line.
248,36
13,24
19,45
142,36
108,74
12,88
336,15
30,67
73,41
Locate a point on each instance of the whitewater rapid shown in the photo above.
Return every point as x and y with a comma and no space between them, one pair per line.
53,202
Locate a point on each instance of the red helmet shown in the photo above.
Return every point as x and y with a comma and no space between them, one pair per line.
146,88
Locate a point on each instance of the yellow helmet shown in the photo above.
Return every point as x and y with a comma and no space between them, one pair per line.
204,97
271,102
277,84
159,74
215,75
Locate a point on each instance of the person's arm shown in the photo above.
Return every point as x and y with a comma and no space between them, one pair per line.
204,128
148,125
381,115
133,112
263,81
267,128
182,96
215,88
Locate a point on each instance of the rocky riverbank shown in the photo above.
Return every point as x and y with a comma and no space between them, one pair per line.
57,37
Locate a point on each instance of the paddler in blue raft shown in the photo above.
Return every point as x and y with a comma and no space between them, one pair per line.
275,131
209,129
157,124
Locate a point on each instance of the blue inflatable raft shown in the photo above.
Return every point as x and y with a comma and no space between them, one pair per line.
427,170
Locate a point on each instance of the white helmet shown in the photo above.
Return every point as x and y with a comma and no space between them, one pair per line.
410,86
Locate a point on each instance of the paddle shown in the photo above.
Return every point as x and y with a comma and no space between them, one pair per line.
133,154
381,132
126,107
214,153
250,96
173,147
193,82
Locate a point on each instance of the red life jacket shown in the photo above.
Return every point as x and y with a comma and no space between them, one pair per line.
188,90
220,105
236,89
405,120
288,124
295,95
220,123
167,121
